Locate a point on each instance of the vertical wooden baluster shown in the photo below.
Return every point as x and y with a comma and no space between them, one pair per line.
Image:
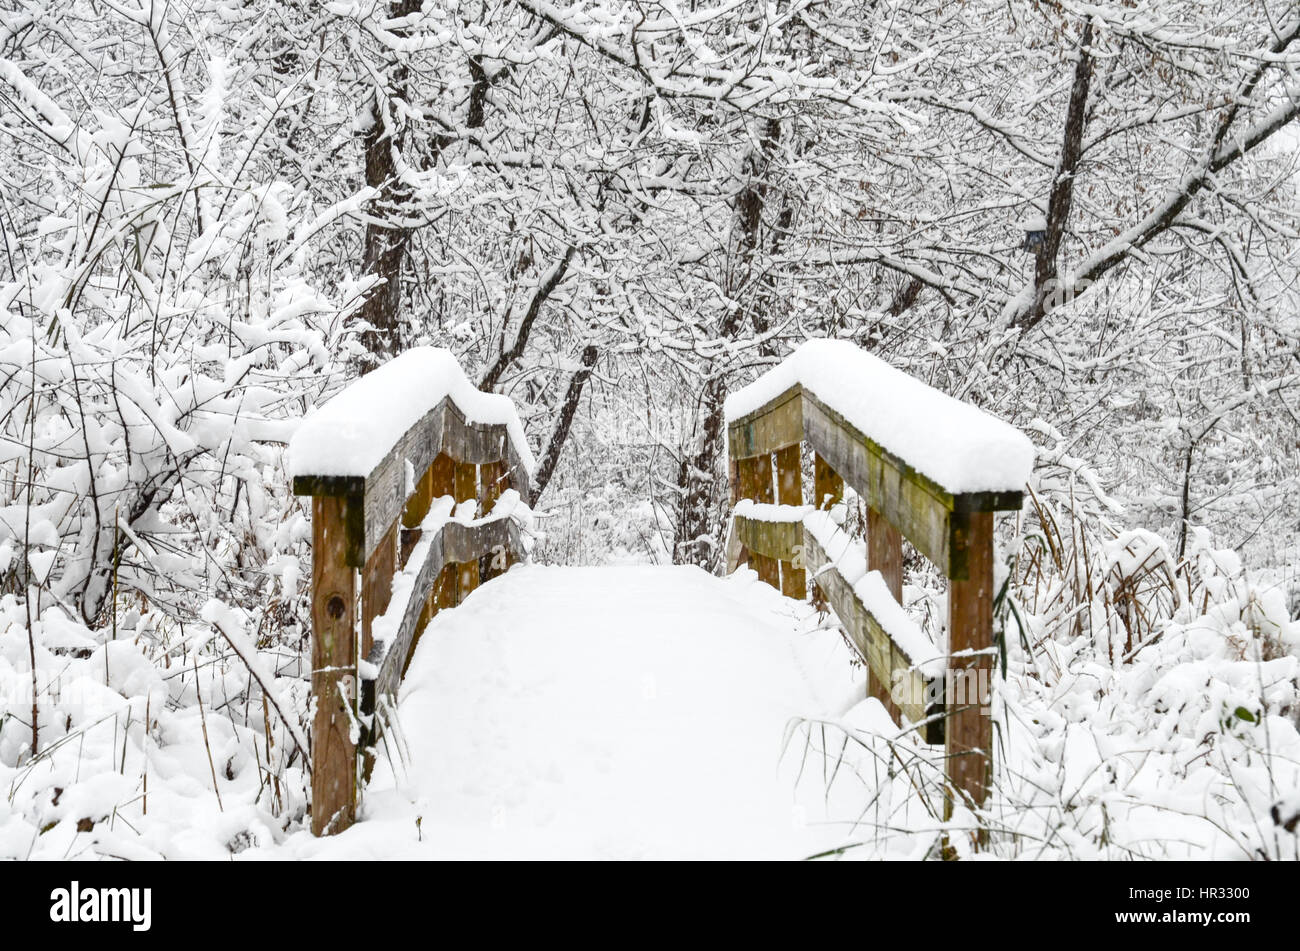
828,489
333,658
766,566
737,554
417,507
885,554
377,586
434,483
490,475
507,483
747,482
466,488
969,726
789,491
766,488
828,486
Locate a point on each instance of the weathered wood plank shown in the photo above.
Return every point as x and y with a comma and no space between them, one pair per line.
970,626
828,486
890,668
442,475
386,487
491,476
747,470
737,554
766,565
774,426
915,504
885,552
764,488
417,507
481,443
907,503
384,490
333,676
769,539
377,586
453,545
789,476
789,491
467,578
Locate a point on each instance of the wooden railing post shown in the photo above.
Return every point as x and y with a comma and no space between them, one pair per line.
491,475
417,507
767,567
828,485
884,554
737,553
789,488
437,481
969,733
466,489
828,490
334,667
747,486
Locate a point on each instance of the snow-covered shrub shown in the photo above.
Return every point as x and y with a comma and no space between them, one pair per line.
170,309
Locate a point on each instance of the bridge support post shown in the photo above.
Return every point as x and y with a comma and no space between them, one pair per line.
885,554
334,667
761,481
828,490
466,489
828,485
969,728
737,553
490,476
789,491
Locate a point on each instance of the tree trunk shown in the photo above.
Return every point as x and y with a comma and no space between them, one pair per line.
560,434
385,240
700,479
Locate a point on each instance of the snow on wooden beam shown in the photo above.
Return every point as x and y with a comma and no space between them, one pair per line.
370,441
960,448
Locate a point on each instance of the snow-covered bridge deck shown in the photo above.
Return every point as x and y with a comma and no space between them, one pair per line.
616,712
418,484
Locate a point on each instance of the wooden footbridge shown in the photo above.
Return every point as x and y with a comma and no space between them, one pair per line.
414,479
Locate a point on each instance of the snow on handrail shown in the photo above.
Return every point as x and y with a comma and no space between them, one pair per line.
958,446
353,432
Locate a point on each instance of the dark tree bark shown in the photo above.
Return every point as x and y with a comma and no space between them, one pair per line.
545,287
1226,147
698,531
560,434
1046,292
386,239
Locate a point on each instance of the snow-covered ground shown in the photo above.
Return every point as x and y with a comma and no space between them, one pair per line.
606,713
660,712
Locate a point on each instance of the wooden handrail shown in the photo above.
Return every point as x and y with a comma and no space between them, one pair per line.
386,462
953,529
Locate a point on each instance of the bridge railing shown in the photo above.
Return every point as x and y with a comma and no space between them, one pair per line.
929,468
398,466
